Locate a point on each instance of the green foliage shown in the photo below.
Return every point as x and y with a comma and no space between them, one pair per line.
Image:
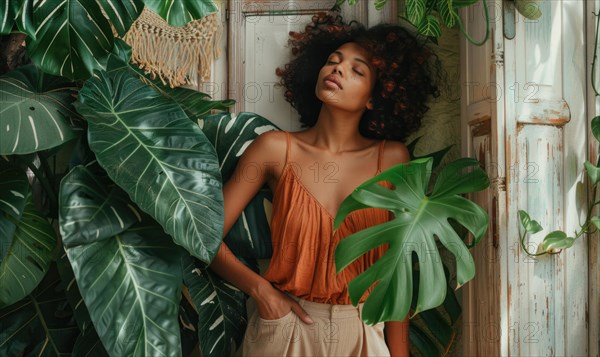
121,274
35,113
72,38
148,146
27,242
419,218
425,15
40,324
180,12
230,135
221,310
556,241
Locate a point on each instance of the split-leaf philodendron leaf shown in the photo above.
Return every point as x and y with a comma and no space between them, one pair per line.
34,111
419,219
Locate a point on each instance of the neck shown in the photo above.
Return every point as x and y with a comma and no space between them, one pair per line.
337,130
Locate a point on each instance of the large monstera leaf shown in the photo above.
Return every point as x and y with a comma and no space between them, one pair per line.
150,148
129,275
221,310
231,135
26,254
34,111
419,219
180,12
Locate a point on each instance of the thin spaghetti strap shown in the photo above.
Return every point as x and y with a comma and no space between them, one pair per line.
380,158
288,148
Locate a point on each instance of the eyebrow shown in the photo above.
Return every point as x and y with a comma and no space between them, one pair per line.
358,59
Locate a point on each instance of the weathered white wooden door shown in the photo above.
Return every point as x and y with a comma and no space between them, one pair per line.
524,117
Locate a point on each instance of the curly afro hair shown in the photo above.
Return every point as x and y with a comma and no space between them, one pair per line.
408,73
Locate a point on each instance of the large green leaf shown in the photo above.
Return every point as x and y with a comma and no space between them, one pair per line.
231,135
419,219
180,12
195,104
122,13
130,282
88,342
72,38
39,325
14,188
131,285
8,13
129,276
34,111
221,310
150,148
28,257
91,210
17,12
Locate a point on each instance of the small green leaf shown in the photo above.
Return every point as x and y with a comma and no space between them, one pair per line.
415,11
462,3
595,221
436,155
379,4
530,9
592,171
530,226
556,240
596,127
447,12
430,27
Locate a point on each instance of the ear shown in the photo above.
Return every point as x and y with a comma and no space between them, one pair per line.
370,104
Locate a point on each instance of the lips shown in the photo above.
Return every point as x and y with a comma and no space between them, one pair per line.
333,80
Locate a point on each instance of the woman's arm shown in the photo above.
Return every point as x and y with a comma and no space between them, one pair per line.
255,168
396,338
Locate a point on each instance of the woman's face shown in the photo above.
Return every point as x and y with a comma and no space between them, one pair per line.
347,79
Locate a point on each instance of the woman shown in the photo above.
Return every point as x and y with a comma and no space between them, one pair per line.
354,88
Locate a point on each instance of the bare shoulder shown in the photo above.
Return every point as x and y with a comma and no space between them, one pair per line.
394,153
267,147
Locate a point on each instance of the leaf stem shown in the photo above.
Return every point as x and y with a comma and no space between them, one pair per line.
595,55
487,26
525,248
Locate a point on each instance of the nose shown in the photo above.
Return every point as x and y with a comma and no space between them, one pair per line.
337,69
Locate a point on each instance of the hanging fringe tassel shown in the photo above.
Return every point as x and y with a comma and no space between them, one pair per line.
177,55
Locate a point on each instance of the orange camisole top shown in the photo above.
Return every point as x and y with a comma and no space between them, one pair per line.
304,241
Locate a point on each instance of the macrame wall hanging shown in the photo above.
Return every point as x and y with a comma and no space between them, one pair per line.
177,55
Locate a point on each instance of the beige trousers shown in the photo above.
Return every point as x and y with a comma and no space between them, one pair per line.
337,331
